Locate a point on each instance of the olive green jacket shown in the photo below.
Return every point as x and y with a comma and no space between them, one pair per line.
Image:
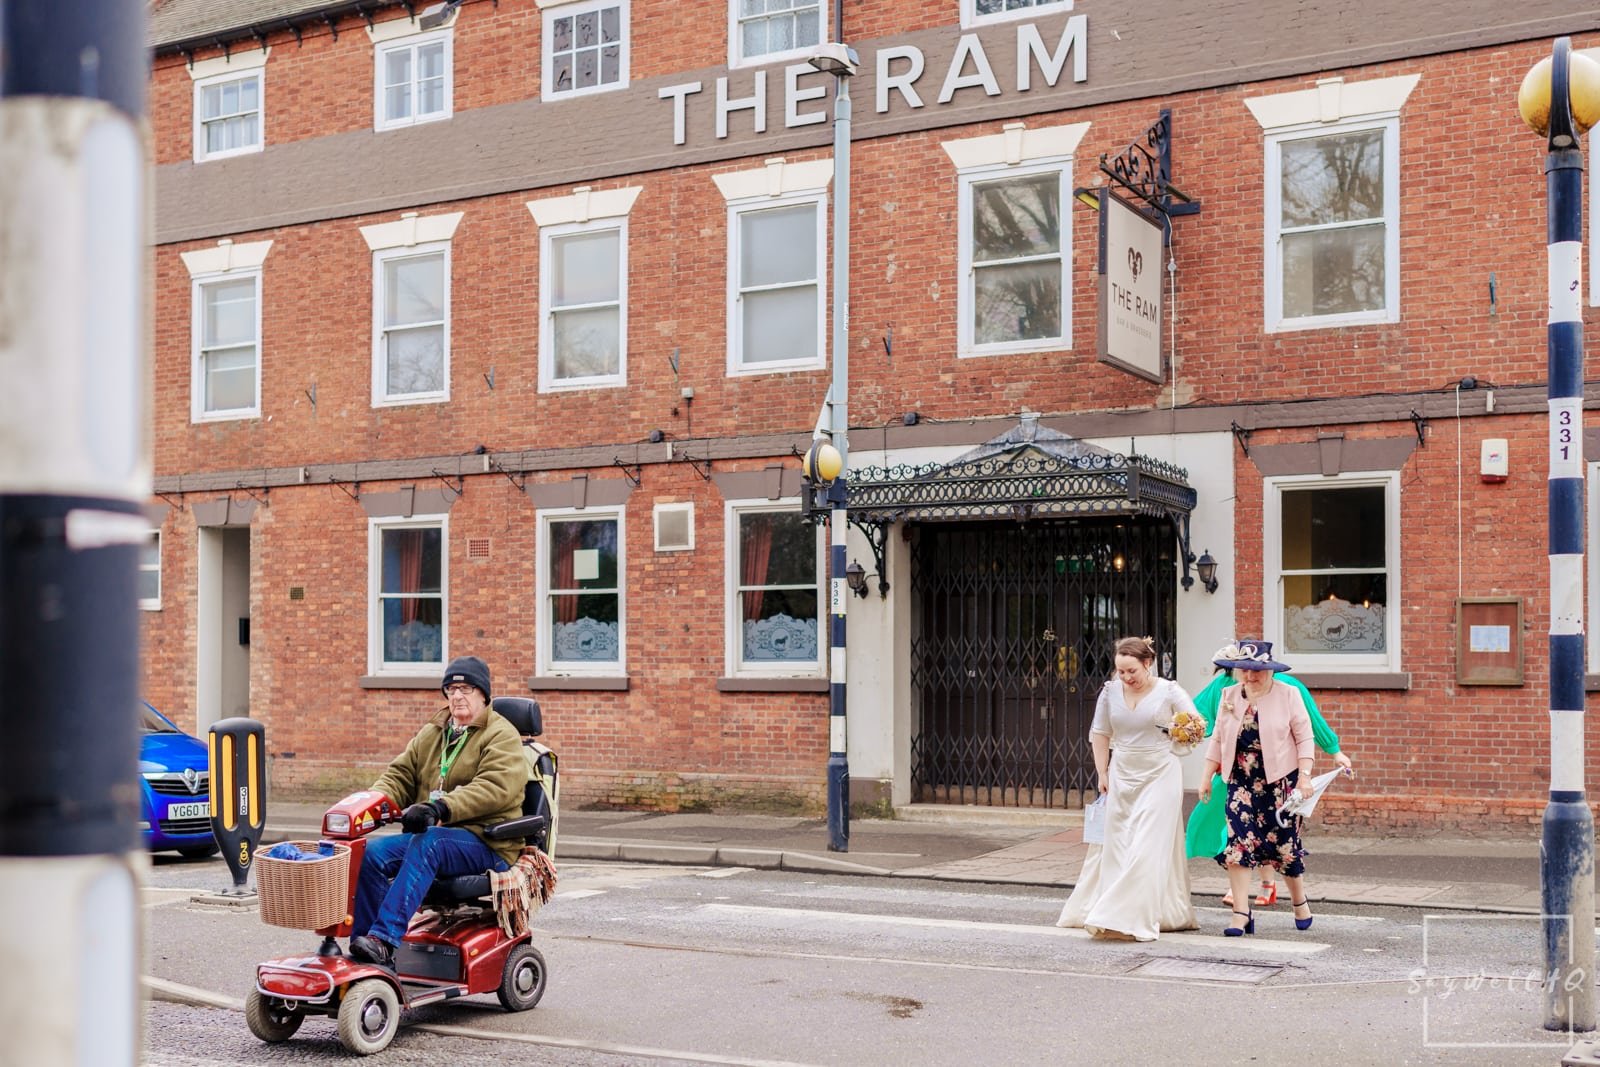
486,780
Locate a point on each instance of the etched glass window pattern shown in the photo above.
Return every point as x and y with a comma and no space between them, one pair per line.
413,325
149,578
997,7
779,286
586,49
1332,224
1335,569
585,598
770,27
228,344
411,594
415,82
778,598
230,115
586,304
1017,267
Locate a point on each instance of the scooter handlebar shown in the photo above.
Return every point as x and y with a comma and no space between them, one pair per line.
359,814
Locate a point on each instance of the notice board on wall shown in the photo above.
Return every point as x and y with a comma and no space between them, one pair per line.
1489,640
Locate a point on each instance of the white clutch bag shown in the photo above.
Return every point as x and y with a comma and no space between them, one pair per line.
1094,822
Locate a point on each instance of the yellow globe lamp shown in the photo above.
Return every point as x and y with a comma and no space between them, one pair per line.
822,463
1583,87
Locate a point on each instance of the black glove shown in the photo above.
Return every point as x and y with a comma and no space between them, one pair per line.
418,817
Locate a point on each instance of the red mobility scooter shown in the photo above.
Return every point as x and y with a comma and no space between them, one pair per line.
453,948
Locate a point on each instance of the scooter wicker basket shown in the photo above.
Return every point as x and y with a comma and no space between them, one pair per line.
304,894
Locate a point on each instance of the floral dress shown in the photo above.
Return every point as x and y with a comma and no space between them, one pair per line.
1254,837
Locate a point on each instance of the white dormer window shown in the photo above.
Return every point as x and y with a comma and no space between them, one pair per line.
412,79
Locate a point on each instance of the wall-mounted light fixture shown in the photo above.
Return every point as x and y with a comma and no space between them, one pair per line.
855,576
1206,568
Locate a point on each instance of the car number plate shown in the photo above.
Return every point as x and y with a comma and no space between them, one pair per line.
193,810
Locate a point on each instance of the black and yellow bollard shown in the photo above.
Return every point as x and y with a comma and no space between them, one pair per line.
238,793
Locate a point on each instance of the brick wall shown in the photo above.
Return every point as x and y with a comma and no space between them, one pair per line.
1471,209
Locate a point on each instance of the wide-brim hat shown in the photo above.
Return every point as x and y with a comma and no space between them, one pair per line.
1248,655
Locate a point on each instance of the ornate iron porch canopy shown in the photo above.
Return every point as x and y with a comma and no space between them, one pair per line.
1029,472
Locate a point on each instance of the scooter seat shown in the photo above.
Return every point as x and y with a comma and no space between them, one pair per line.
462,889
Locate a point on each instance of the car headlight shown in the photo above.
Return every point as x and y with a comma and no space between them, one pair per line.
336,823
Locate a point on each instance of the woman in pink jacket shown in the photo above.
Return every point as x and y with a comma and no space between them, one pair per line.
1263,747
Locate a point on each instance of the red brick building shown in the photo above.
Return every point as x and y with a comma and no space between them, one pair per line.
499,327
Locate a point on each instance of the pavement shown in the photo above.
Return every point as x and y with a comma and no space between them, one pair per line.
1497,872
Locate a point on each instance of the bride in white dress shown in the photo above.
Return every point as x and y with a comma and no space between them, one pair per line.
1137,883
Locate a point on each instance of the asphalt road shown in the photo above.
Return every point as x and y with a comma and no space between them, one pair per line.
676,964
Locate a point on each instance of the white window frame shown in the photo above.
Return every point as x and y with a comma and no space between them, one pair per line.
733,620
685,508
548,664
548,236
1276,322
412,42
547,91
201,84
737,58
197,384
969,179
377,666
1272,571
1038,9
737,209
380,365
152,603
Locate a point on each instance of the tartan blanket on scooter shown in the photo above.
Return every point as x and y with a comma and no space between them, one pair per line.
522,889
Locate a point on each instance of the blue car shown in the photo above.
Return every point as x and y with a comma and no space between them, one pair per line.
175,783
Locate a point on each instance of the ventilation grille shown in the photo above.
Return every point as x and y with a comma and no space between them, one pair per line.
674,527
479,547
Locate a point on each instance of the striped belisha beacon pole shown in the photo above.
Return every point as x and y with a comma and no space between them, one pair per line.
74,478
1567,875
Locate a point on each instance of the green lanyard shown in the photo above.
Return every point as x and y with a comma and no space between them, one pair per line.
447,755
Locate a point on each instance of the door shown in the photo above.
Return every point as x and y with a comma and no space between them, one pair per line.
1013,628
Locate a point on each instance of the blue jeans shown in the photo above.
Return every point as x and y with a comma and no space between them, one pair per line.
397,871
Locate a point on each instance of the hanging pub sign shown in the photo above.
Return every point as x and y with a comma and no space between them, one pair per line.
1130,287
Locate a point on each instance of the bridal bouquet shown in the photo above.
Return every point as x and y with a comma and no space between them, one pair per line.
1187,729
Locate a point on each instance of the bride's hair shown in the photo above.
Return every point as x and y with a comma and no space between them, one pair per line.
1142,649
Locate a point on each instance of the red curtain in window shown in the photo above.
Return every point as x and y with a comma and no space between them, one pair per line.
755,553
410,562
563,542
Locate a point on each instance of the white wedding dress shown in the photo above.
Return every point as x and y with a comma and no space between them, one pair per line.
1137,883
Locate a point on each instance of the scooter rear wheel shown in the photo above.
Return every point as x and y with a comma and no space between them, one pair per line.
369,1016
270,1023
523,979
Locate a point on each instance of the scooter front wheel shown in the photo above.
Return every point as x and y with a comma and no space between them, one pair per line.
269,1022
369,1016
522,982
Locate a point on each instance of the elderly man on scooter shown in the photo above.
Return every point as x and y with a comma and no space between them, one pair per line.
463,770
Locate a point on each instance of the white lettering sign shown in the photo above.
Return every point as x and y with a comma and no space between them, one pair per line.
898,69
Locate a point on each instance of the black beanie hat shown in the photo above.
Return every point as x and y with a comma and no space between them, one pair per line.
469,669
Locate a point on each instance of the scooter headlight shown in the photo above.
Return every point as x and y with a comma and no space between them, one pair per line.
336,822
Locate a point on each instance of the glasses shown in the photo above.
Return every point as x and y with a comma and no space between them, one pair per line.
460,689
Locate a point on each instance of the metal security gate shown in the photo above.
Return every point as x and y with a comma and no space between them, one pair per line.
1013,628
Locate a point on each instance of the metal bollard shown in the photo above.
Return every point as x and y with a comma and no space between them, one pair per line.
238,793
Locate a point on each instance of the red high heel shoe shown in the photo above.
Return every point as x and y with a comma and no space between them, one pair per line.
1268,895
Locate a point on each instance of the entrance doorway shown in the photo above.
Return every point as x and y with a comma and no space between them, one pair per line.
222,653
1012,632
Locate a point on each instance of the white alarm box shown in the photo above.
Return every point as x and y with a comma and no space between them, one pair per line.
1496,462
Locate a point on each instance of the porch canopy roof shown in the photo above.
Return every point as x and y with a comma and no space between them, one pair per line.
1028,472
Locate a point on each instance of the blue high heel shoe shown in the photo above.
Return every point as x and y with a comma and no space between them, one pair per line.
1299,923
1249,926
